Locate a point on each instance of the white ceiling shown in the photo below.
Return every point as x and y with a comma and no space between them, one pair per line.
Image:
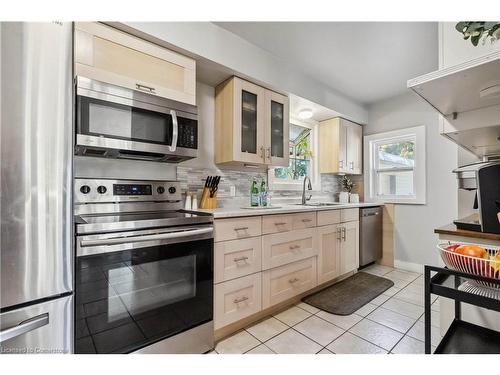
366,61
320,113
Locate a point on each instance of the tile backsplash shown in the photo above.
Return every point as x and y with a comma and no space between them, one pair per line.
193,179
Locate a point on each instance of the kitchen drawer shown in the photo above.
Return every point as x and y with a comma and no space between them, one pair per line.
233,229
237,258
276,223
349,214
283,248
329,217
282,283
236,299
304,220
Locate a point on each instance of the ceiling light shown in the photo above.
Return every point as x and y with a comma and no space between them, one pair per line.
305,114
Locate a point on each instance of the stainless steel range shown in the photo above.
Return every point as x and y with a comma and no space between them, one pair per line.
144,269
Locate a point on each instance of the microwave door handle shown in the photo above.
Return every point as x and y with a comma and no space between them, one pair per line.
175,132
152,237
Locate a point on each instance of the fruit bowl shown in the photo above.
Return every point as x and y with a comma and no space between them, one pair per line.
486,266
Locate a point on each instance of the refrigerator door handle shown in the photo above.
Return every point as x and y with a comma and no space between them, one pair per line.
25,326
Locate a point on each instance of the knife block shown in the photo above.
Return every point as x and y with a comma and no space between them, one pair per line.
208,202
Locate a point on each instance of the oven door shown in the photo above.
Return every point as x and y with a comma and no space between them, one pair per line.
117,122
137,288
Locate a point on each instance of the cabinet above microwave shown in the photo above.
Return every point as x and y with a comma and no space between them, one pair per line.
105,54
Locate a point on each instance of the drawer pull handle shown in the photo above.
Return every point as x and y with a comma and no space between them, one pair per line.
240,228
294,247
240,259
145,88
293,281
239,300
306,220
280,223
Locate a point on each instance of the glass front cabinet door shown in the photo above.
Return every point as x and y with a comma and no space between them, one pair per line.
251,125
277,152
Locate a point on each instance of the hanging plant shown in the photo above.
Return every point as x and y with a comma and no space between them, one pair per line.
475,30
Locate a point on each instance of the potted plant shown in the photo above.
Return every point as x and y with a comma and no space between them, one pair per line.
475,30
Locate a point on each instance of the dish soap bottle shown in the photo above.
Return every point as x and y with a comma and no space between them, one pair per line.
254,194
263,193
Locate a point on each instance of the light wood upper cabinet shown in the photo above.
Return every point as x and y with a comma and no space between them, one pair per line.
251,125
277,123
340,146
106,54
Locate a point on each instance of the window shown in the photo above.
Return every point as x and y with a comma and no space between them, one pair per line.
302,149
396,166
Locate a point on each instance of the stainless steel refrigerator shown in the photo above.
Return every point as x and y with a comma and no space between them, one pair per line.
36,133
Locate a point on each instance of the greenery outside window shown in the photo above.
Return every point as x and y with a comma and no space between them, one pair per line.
302,151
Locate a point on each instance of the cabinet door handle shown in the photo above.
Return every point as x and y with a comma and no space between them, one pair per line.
306,220
293,281
343,234
280,223
339,235
268,151
262,153
351,165
341,164
294,247
240,259
148,89
25,326
239,300
240,228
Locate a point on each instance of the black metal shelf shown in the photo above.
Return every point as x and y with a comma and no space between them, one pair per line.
462,337
467,338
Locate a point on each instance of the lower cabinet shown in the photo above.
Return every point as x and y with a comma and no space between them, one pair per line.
256,269
349,246
282,283
329,252
236,299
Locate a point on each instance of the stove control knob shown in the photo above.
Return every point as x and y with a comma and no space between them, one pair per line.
85,189
172,190
160,189
101,189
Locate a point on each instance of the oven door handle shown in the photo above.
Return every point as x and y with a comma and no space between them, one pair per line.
175,131
151,237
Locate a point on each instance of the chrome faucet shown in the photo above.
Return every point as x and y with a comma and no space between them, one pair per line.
309,187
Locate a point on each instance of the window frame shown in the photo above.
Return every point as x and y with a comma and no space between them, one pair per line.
296,185
372,170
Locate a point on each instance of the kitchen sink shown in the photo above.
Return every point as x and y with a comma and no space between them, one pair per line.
320,204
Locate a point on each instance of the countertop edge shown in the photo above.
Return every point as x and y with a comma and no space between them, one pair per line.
451,230
284,209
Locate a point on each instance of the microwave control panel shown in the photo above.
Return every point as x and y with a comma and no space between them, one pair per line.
188,134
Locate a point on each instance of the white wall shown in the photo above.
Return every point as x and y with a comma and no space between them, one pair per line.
455,50
415,241
211,42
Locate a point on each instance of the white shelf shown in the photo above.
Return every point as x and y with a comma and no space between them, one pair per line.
456,89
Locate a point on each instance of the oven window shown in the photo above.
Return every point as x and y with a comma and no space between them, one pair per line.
128,300
102,118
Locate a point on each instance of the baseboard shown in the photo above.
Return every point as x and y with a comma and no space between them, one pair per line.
408,266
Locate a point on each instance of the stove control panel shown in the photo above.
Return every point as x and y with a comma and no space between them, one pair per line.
110,191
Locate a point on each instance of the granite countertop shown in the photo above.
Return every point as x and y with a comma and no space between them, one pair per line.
226,212
452,230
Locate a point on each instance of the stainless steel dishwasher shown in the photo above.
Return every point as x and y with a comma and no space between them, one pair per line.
370,235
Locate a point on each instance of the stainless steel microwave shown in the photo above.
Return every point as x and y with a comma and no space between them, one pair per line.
116,122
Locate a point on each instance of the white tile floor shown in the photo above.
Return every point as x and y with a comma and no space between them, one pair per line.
391,323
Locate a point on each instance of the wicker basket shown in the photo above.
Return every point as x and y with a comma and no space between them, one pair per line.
472,265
